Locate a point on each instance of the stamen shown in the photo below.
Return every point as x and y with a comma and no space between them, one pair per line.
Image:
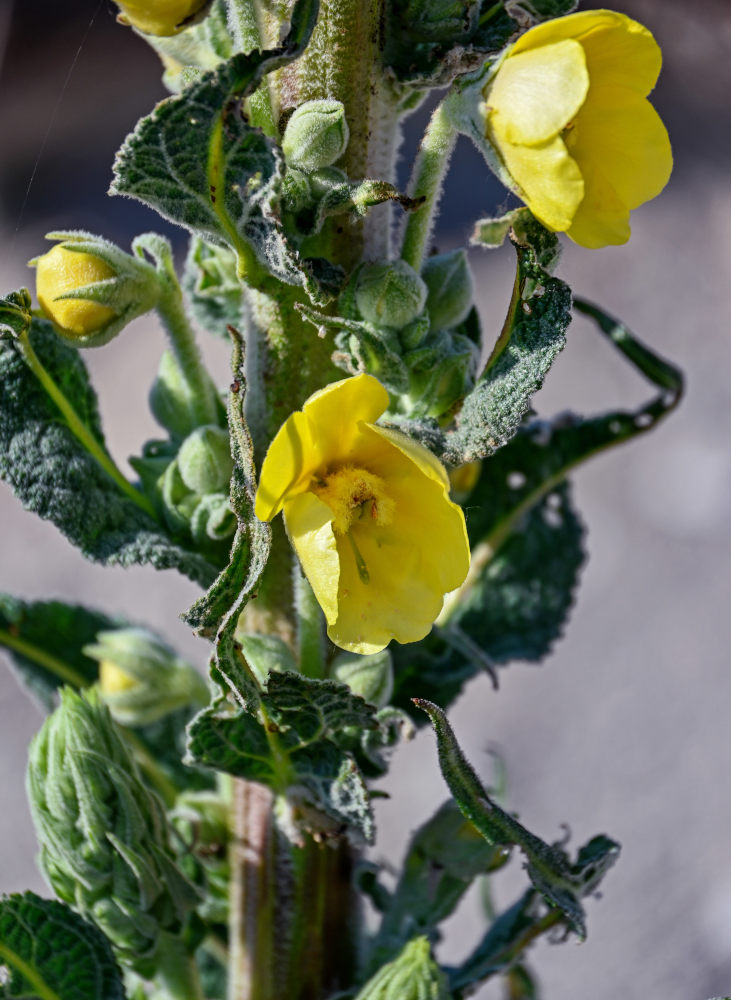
360,565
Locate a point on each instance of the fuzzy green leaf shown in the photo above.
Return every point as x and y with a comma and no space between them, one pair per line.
198,163
313,708
53,475
561,883
320,781
51,953
532,338
45,641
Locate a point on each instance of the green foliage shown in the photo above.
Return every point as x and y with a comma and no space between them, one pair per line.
431,42
291,745
222,605
54,475
104,837
50,953
526,538
199,164
212,287
531,340
443,858
45,642
544,10
563,884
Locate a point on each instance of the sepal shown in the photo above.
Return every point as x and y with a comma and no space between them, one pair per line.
413,975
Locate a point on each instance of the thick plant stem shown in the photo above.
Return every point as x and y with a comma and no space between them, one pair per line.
293,909
431,165
79,429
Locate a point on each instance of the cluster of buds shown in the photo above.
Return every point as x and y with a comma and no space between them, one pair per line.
142,679
413,332
194,488
104,836
90,289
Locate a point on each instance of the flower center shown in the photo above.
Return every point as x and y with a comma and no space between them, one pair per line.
355,496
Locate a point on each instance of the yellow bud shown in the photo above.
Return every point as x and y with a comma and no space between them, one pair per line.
159,17
61,271
113,680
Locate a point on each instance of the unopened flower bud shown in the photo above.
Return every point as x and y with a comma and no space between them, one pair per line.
371,676
449,281
316,135
103,835
389,293
159,17
90,289
141,678
204,460
413,975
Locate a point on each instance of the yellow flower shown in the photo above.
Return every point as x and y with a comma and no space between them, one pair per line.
61,271
159,17
369,515
568,115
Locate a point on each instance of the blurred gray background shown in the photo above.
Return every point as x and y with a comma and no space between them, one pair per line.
624,728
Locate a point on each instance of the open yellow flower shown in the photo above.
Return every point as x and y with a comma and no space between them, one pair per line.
567,112
369,515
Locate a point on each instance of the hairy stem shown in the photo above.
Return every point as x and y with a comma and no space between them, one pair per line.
172,312
79,429
427,177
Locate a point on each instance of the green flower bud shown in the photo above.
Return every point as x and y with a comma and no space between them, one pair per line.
171,400
316,135
369,676
160,17
90,289
449,281
206,517
389,293
104,836
212,519
413,975
204,460
141,679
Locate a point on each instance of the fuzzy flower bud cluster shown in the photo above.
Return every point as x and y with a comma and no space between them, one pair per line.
103,835
410,331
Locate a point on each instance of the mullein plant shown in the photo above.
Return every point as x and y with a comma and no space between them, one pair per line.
373,511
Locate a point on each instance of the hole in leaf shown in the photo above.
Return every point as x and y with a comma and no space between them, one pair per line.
554,501
615,427
552,517
516,480
643,420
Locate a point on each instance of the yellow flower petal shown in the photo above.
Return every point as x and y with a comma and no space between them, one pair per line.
537,93
549,178
623,133
287,467
603,217
309,525
618,49
336,412
324,431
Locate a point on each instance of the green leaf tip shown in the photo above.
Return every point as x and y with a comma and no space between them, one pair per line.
561,883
